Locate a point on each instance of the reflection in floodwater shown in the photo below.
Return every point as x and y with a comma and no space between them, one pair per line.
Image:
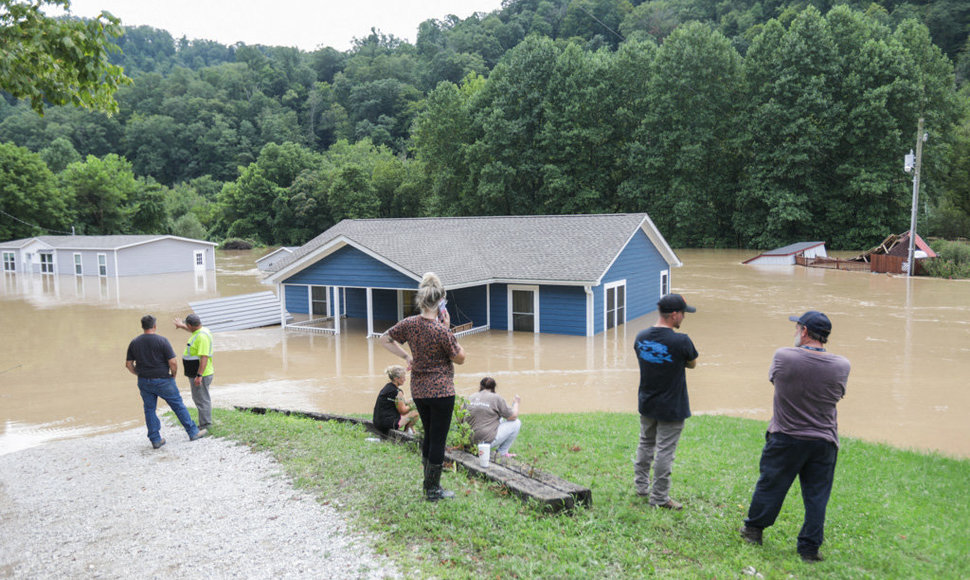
908,341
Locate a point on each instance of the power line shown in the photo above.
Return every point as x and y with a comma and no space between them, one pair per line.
590,14
13,217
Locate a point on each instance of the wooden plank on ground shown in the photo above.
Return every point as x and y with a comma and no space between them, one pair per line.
522,479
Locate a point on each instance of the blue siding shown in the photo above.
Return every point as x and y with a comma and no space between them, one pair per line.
500,306
562,309
349,266
297,299
468,305
356,305
640,264
385,304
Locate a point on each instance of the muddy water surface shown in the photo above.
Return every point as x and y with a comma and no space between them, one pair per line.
63,341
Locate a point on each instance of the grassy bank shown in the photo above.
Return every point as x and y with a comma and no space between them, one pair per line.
893,513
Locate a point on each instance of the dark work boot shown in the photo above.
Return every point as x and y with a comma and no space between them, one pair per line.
751,535
432,484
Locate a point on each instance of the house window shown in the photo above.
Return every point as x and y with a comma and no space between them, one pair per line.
9,262
664,282
47,263
524,308
200,259
319,302
615,303
78,269
405,304
102,265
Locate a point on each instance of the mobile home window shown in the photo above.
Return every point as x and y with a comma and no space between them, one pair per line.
78,268
102,265
47,263
9,262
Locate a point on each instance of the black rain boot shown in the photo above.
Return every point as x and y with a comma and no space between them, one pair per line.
432,484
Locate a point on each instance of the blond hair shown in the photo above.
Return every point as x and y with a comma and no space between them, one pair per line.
395,372
430,292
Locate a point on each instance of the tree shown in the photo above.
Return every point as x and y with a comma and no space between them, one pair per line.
686,149
794,127
59,154
58,61
102,189
351,195
30,202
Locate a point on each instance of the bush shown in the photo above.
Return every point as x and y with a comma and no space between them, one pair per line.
236,244
952,261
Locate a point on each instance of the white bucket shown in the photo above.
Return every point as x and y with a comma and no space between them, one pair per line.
484,450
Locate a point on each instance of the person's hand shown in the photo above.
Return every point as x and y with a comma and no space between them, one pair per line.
198,379
516,399
179,323
409,360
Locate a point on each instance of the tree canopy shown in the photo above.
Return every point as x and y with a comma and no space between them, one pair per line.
58,61
733,124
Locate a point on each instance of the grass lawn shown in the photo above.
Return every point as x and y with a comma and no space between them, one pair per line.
893,513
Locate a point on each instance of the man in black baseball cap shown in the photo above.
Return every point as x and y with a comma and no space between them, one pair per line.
674,303
802,439
663,356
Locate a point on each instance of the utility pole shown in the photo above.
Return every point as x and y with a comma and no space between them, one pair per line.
920,138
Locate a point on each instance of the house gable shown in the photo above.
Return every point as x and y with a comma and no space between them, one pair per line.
639,264
351,267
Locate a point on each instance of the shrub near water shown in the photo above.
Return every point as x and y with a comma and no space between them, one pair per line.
893,513
952,261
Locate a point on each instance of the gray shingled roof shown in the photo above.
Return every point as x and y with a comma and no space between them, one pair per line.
466,250
95,242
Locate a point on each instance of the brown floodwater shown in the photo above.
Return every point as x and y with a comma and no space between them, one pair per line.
63,341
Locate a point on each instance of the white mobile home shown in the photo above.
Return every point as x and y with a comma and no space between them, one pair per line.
107,256
785,256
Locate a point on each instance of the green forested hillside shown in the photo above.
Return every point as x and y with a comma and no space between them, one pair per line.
733,124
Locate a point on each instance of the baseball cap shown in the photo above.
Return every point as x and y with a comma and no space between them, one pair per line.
674,303
815,321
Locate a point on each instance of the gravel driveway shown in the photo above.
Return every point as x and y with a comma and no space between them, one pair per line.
110,506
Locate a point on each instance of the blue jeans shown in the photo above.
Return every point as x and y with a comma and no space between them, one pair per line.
151,390
783,458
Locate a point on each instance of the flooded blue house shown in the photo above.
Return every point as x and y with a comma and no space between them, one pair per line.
571,274
107,256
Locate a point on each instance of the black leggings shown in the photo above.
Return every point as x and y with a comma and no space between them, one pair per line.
436,420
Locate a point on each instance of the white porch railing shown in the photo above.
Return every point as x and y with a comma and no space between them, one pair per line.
313,326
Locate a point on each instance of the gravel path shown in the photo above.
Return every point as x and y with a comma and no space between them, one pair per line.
110,506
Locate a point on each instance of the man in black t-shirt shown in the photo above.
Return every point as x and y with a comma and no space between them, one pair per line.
663,356
152,359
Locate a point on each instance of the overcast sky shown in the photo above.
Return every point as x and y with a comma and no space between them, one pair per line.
306,24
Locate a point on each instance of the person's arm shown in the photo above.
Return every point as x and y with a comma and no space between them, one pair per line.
173,366
394,348
402,407
691,363
459,357
130,365
179,323
203,361
515,409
